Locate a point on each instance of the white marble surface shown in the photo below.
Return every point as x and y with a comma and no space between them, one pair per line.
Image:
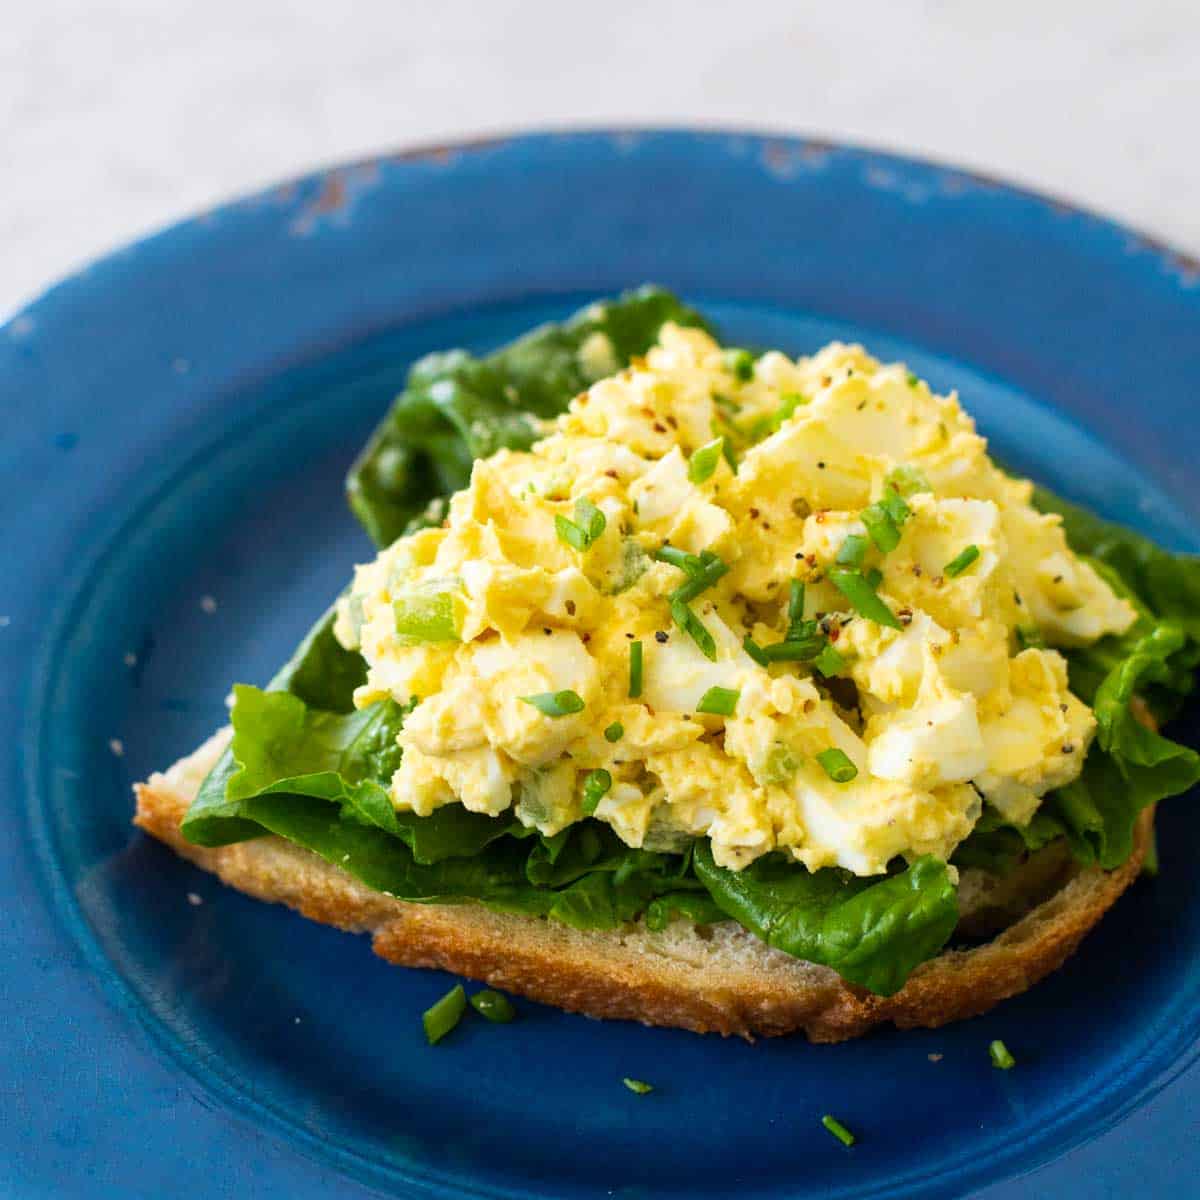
119,116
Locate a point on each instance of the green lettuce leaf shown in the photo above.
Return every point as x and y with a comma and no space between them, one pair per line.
872,931
321,673
995,845
457,408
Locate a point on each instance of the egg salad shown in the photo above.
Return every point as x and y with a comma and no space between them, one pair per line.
784,605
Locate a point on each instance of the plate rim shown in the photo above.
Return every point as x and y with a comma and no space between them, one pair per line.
444,150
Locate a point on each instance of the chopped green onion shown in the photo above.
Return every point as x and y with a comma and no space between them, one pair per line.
874,578
909,480
495,1006
556,704
442,1017
740,363
861,594
794,650
588,525
570,533
615,732
1030,638
425,616
689,563
719,702
829,662
884,531
704,462
635,670
960,562
1000,1056
912,379
730,457
638,1085
589,518
795,609
780,764
596,785
755,651
853,551
838,1130
788,403
837,765
893,504
694,628
711,570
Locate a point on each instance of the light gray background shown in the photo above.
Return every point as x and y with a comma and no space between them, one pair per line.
119,116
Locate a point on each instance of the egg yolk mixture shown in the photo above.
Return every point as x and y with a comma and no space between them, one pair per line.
783,605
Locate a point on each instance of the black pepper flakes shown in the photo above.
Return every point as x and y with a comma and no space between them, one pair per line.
1068,748
820,466
661,637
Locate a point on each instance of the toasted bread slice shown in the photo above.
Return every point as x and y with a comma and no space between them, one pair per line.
711,979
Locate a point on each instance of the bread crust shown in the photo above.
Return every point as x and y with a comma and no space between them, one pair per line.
716,980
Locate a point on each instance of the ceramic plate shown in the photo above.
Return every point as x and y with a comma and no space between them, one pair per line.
178,418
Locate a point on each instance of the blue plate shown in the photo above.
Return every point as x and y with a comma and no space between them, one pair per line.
178,420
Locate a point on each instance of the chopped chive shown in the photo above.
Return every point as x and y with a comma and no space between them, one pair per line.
570,533
755,651
495,1006
893,504
884,531
861,594
588,525
838,1130
711,570
638,1085
788,403
589,518
635,670
740,363
829,662
615,732
837,765
441,1018
694,628
556,704
424,616
794,650
596,785
690,563
853,550
727,452
1001,1058
703,463
912,379
960,562
874,578
909,480
1030,638
719,701
795,609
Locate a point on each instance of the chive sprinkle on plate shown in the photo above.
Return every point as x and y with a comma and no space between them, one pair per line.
838,1130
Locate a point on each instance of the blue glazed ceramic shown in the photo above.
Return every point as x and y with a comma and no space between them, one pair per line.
178,418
